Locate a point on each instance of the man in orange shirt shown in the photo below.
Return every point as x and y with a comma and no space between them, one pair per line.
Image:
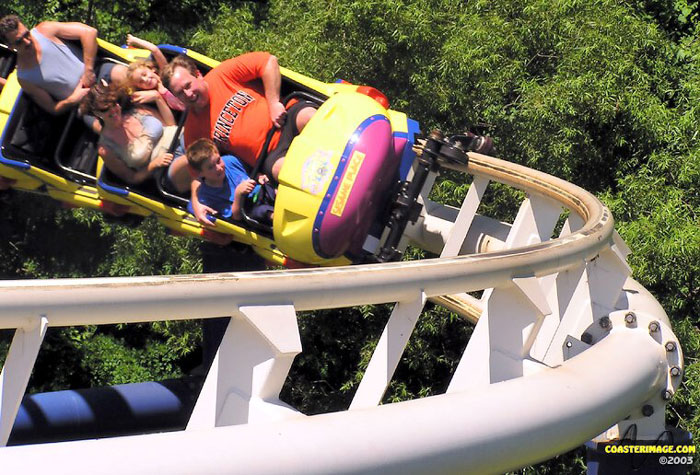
236,104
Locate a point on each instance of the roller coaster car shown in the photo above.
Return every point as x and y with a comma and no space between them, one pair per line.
342,197
52,155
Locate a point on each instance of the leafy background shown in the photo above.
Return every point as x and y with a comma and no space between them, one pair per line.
601,93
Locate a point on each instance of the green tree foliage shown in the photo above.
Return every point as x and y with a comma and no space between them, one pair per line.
29,226
677,18
42,240
154,19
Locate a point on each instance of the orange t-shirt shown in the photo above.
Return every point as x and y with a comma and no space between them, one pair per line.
238,118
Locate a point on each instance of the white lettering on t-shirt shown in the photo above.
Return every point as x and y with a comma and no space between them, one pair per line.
228,115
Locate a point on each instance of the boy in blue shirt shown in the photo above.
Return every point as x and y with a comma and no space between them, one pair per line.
223,183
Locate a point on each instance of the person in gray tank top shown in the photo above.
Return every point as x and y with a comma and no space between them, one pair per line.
58,71
56,75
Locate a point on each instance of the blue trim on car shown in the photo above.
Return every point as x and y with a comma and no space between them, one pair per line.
325,203
408,154
173,48
4,160
111,188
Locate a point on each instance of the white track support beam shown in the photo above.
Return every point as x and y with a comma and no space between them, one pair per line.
432,230
494,430
621,246
498,348
249,369
580,296
534,223
465,217
572,224
388,352
532,290
16,372
596,289
502,338
561,288
568,295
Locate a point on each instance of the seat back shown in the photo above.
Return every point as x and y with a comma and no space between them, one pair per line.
8,59
32,135
76,153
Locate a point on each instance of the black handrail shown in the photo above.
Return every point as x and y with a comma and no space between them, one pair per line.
71,173
161,175
248,220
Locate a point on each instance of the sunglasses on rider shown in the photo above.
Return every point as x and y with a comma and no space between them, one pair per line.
103,109
21,38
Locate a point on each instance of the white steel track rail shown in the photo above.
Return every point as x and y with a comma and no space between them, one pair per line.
548,366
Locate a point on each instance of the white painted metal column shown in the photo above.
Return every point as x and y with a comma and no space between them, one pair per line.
566,291
466,215
16,372
499,346
249,369
403,318
388,353
586,295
